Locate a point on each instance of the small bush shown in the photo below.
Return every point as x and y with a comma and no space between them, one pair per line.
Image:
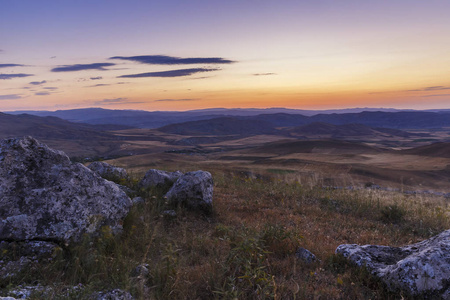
392,214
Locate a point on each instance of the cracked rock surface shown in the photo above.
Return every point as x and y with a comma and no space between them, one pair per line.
44,196
421,268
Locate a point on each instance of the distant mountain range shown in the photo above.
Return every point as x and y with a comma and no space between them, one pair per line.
278,117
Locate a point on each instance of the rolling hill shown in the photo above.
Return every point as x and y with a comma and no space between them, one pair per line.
434,150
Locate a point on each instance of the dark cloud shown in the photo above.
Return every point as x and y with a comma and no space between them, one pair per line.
264,74
10,65
96,78
50,88
10,76
170,60
173,100
171,73
42,93
38,82
81,67
10,97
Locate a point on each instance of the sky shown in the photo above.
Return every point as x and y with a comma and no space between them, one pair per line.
183,55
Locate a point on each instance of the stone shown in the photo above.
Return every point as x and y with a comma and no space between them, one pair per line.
305,255
420,269
141,270
44,196
108,171
193,190
116,294
138,200
158,178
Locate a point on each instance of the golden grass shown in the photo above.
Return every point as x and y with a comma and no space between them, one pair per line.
246,248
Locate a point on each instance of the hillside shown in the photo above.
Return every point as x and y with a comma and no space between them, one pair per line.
347,130
434,150
278,117
50,127
289,147
220,126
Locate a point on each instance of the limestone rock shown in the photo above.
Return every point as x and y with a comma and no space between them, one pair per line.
108,171
305,255
158,178
43,196
422,268
193,190
115,294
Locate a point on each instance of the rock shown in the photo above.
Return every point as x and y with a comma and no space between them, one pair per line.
422,268
305,255
193,190
116,294
158,178
43,196
108,171
138,200
18,257
141,270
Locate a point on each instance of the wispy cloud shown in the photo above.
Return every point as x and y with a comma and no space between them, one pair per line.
10,76
264,74
171,60
51,88
431,88
10,65
10,97
97,85
171,73
42,93
437,95
173,100
38,82
96,78
81,67
115,101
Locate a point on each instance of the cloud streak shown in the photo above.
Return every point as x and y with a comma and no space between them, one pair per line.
431,88
437,95
11,76
42,93
171,73
171,60
173,100
115,101
38,82
264,74
82,67
10,97
10,65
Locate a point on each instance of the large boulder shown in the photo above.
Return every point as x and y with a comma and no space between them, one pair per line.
158,178
43,196
193,190
422,268
108,171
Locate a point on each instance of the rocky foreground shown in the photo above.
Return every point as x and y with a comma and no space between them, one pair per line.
48,203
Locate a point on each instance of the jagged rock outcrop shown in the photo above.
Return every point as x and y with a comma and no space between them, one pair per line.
422,268
158,178
108,171
193,190
43,196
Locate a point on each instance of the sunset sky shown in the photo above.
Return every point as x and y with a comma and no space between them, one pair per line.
181,55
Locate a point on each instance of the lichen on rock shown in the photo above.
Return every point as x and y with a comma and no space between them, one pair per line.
44,196
421,268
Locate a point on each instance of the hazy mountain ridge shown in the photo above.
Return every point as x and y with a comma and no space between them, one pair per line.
279,117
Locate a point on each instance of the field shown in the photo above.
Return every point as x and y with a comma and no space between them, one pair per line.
271,196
